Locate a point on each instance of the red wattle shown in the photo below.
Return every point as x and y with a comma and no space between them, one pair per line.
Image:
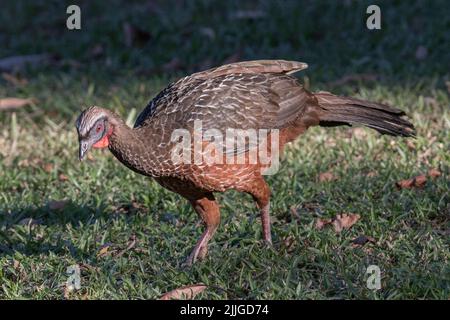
102,143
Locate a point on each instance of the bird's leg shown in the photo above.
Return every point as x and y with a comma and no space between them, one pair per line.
260,192
265,221
208,210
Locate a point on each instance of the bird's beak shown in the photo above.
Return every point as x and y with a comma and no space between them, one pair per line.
84,148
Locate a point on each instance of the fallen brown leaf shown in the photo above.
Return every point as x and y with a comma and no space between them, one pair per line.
340,222
320,223
184,293
16,264
326,176
434,173
410,144
14,103
14,80
416,182
371,174
345,221
48,167
63,177
104,250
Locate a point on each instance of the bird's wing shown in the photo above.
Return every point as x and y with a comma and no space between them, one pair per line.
181,89
230,101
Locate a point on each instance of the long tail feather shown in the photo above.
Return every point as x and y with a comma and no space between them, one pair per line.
336,110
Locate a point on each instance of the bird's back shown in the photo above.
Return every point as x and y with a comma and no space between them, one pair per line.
253,94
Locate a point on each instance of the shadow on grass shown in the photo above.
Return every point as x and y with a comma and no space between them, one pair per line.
23,229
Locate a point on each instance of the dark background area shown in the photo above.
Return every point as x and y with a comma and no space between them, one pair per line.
167,37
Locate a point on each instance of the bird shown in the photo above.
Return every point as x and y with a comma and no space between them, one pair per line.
249,97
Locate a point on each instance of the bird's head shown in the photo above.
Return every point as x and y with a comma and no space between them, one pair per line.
94,128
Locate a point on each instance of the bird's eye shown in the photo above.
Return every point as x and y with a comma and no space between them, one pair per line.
99,127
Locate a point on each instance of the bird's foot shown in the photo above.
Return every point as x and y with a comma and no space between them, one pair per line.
267,238
196,254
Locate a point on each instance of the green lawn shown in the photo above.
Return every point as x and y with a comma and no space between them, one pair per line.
130,236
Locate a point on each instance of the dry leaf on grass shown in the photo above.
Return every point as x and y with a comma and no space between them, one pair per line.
184,293
62,177
14,103
419,181
345,221
14,80
104,250
320,223
16,264
371,174
340,222
416,182
434,173
326,176
410,144
48,167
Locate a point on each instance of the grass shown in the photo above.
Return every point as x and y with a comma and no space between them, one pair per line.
108,206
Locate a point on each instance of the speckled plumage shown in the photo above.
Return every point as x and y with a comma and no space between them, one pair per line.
246,95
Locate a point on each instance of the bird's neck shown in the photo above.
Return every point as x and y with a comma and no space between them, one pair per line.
131,149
